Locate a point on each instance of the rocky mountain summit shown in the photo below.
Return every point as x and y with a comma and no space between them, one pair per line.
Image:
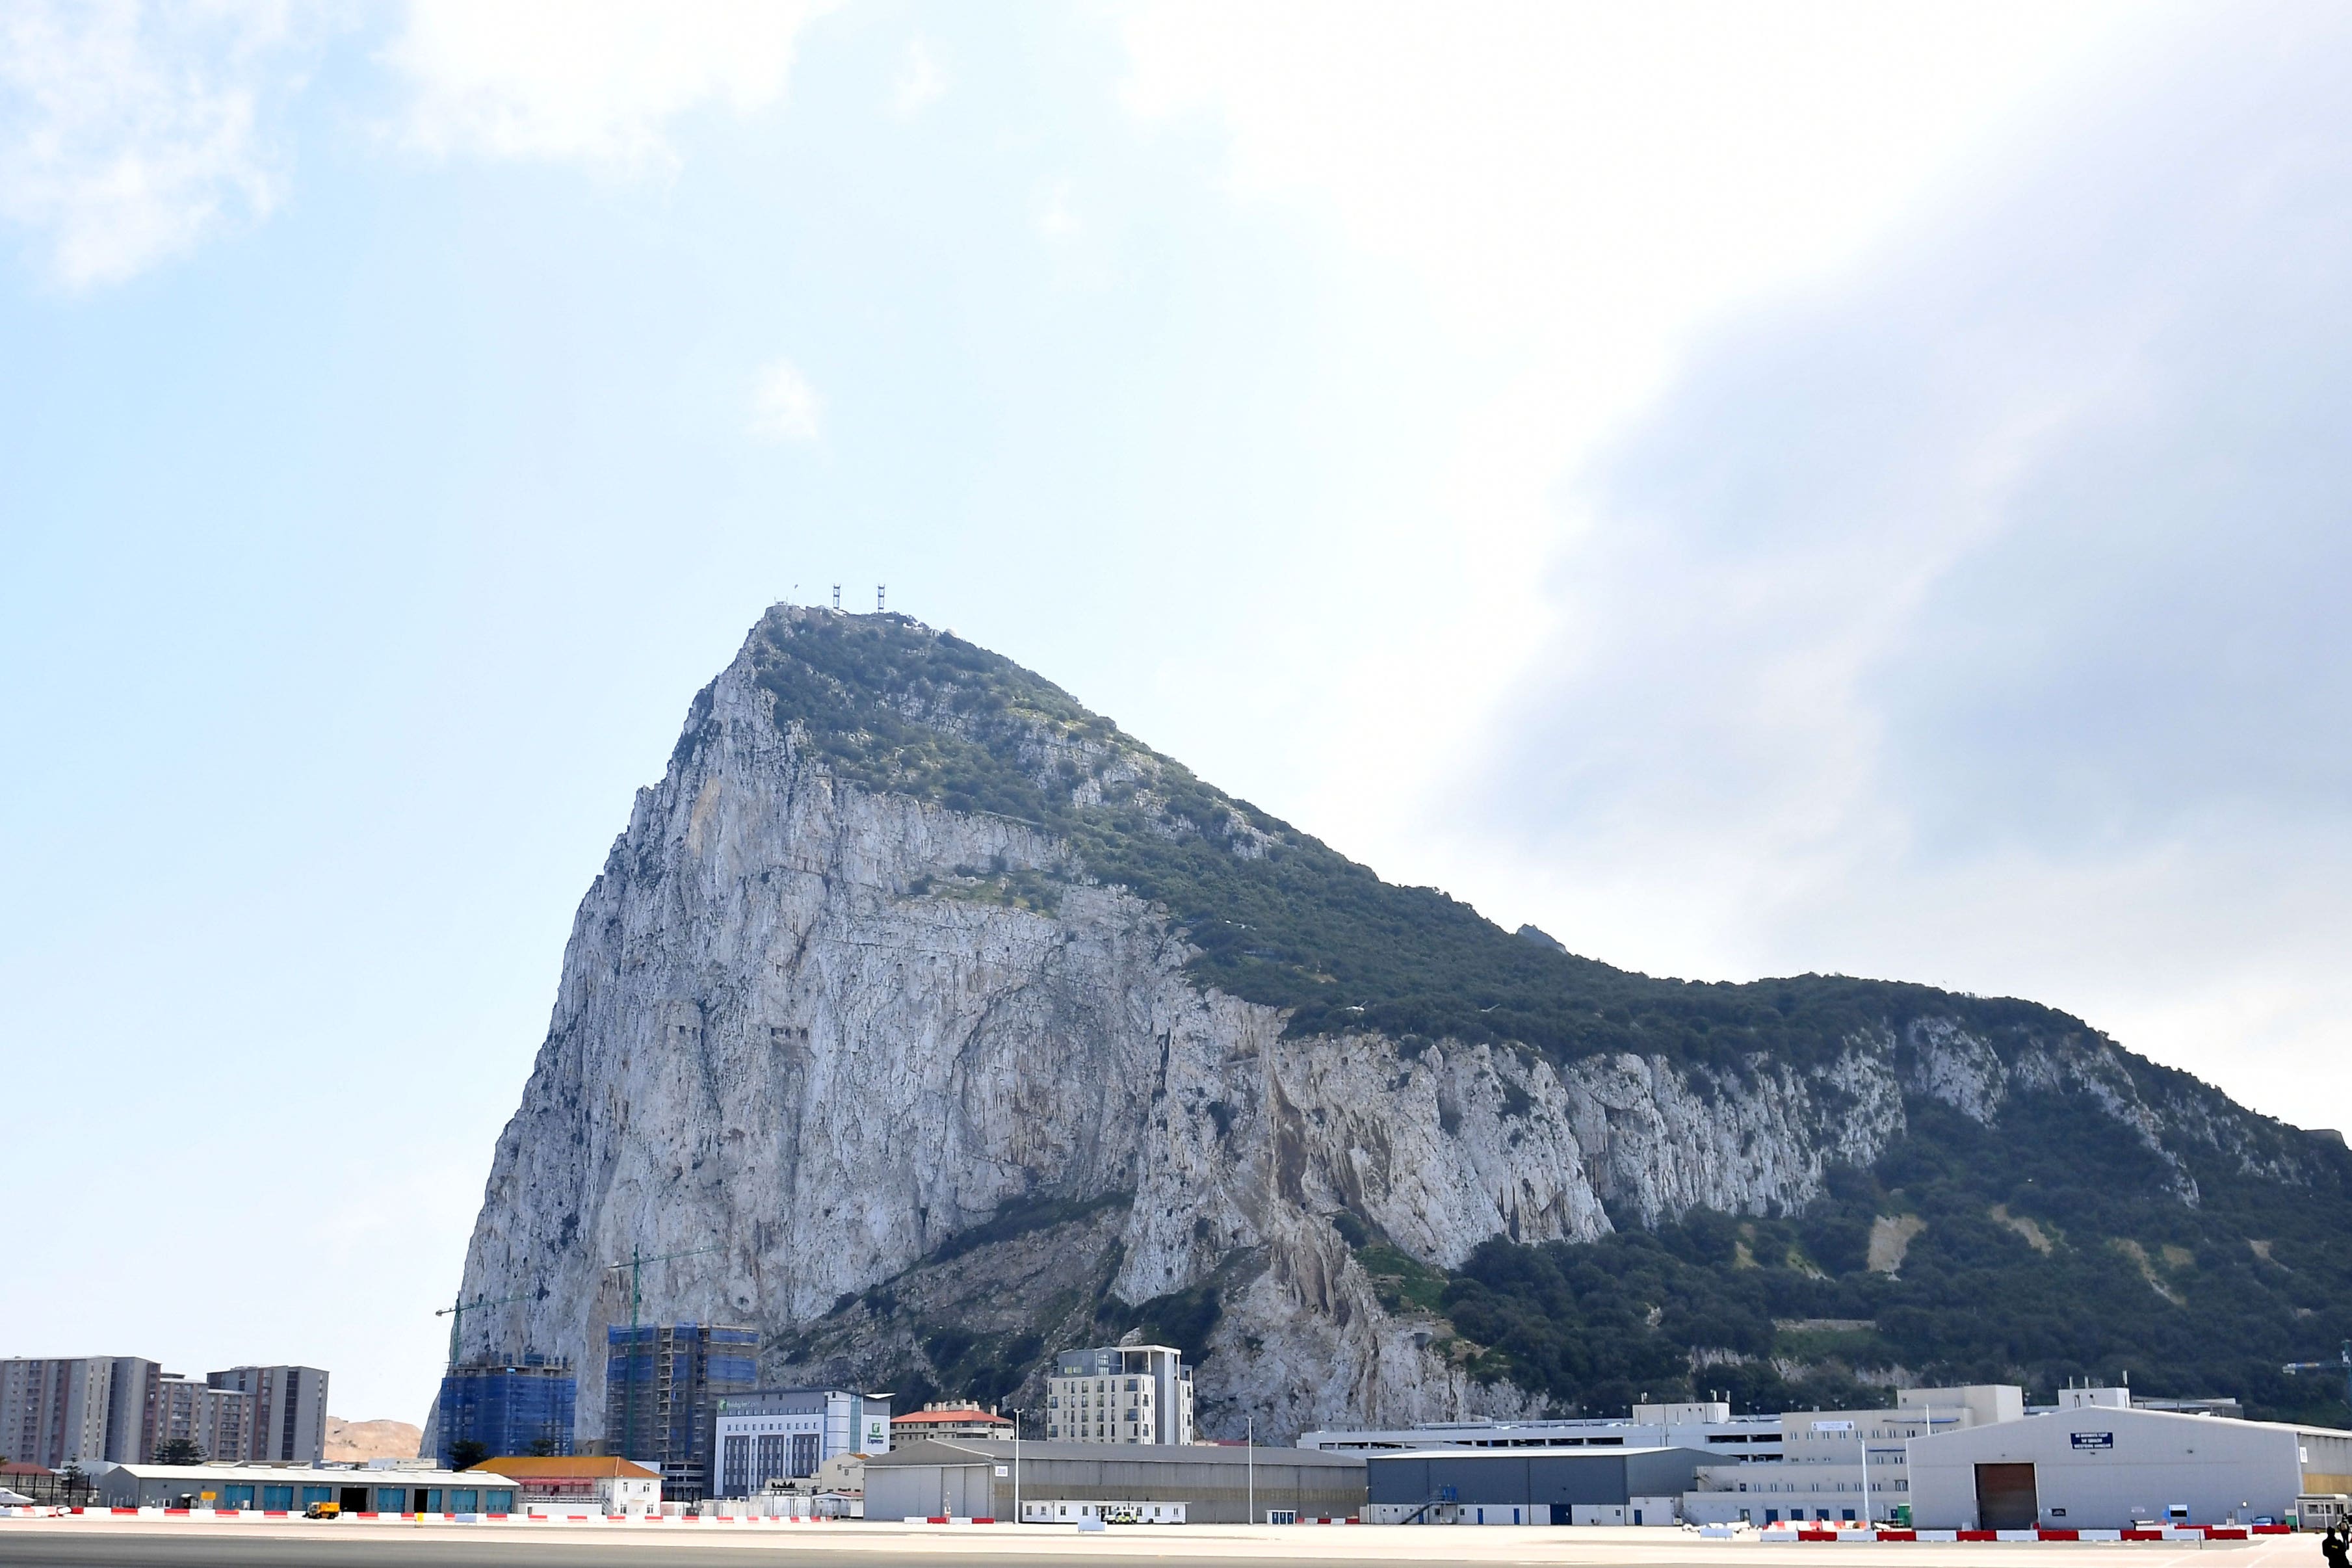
965,1027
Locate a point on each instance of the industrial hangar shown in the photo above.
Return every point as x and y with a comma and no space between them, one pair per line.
1532,1485
975,1478
2103,1468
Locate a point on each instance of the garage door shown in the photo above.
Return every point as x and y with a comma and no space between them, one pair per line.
2006,1499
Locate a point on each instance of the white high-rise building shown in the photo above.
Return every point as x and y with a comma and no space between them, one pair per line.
1120,1393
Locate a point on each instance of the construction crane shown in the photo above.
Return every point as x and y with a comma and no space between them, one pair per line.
456,1312
635,1263
2343,1363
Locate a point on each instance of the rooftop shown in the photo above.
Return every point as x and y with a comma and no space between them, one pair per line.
317,1476
540,1467
950,1415
974,1450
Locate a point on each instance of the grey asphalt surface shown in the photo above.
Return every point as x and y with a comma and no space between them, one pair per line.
354,1550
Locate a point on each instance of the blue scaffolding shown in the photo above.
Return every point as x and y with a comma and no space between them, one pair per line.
508,1407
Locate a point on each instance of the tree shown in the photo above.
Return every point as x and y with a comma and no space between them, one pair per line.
179,1451
542,1447
466,1453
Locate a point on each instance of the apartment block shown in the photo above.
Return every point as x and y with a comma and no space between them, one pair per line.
287,1422
218,1421
1120,1393
81,1410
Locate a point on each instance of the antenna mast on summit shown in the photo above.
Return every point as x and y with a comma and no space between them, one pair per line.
836,595
877,597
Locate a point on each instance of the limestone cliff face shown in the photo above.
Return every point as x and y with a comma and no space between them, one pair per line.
806,1023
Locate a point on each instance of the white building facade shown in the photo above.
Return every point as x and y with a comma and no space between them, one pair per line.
1120,1393
1695,1424
1846,1465
2102,1465
787,1434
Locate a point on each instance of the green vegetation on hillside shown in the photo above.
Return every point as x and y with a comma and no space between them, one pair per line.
1278,916
2175,1295
2056,1244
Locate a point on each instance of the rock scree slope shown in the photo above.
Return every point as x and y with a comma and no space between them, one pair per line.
965,1027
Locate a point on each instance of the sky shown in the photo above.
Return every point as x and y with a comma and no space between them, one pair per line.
1752,490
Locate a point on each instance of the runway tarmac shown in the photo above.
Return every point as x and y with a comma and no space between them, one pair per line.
36,1543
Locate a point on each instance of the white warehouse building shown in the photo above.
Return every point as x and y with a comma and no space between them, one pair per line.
2097,1464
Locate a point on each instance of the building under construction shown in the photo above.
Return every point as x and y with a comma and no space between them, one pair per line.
507,1406
662,1383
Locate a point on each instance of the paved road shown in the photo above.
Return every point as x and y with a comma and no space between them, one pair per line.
114,1550
349,1546
104,1546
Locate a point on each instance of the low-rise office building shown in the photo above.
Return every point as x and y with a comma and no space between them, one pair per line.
2104,1465
1216,1484
587,1482
279,1489
1846,1465
1692,1424
771,1434
1531,1485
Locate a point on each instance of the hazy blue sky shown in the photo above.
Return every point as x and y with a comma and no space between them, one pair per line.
1750,489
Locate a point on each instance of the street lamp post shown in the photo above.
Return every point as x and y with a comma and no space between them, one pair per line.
1864,1425
1249,1462
1018,1415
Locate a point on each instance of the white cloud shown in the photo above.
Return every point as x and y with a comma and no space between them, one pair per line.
1575,191
592,79
785,407
129,132
920,81
1977,621
1057,219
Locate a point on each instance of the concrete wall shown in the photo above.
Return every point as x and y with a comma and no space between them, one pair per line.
2101,1468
